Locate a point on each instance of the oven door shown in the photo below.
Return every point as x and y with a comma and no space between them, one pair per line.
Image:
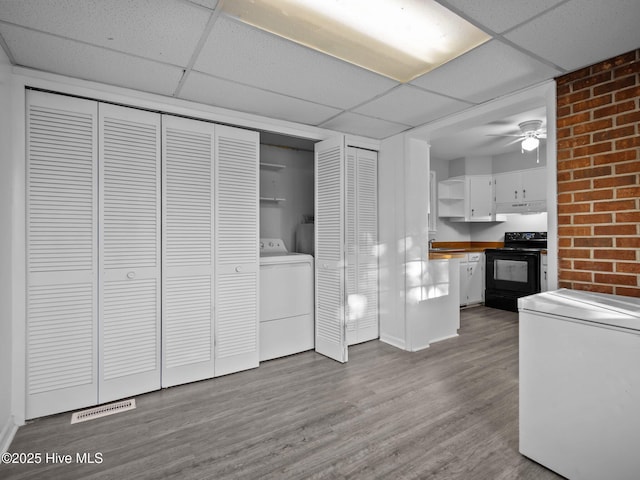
513,271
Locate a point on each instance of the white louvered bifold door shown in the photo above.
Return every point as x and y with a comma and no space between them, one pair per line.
351,248
187,272
237,249
367,245
61,330
330,252
130,252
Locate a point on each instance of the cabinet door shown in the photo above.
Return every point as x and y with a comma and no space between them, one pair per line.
534,184
330,253
236,249
507,187
479,198
129,157
464,282
62,257
475,291
187,247
351,246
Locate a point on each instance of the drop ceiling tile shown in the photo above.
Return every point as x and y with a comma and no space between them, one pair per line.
486,72
499,15
241,53
66,57
582,32
362,125
222,93
410,106
162,30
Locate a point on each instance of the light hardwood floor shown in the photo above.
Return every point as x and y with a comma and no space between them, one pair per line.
448,412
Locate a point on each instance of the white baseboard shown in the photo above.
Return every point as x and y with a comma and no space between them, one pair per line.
6,435
393,341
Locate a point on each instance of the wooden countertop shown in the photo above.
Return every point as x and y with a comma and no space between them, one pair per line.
445,255
459,249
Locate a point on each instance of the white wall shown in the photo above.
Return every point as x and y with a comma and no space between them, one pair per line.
494,232
6,422
294,183
509,162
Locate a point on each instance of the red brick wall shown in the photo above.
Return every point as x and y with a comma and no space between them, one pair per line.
599,177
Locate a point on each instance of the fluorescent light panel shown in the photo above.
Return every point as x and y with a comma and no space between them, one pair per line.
400,39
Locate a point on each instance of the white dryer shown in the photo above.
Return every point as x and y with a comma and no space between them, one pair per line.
286,300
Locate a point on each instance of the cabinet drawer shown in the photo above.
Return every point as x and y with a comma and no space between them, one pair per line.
474,257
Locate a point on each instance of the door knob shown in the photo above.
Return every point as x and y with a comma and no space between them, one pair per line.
131,275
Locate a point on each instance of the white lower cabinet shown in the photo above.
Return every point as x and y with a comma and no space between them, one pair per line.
544,282
98,308
472,279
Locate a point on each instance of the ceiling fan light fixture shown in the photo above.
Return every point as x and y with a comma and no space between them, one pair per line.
530,143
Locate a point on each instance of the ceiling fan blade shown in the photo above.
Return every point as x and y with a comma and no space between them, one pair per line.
542,135
505,135
515,141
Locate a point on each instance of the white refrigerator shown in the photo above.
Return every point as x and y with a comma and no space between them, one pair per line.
580,384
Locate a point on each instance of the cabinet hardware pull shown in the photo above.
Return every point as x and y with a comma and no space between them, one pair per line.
131,275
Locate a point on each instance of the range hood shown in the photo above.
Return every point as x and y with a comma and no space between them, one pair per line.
539,206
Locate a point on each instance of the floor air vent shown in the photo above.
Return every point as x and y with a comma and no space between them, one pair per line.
103,410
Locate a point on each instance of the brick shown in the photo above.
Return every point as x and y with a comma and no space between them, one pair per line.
564,220
615,205
575,163
630,167
628,242
574,119
565,242
570,99
614,133
564,264
628,192
616,61
590,103
576,207
574,253
628,217
615,230
614,109
593,149
590,287
592,80
615,157
628,69
574,186
616,254
573,231
562,90
628,292
627,143
628,267
564,155
593,266
614,86
633,92
586,127
564,198
614,181
633,117
563,132
593,218
563,111
579,276
574,142
592,172
592,195
616,279
570,77
592,242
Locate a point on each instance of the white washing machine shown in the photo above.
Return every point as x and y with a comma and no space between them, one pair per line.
286,300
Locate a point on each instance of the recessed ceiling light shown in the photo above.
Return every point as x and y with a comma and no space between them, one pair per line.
400,39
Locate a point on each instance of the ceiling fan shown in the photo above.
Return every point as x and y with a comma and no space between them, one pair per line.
531,134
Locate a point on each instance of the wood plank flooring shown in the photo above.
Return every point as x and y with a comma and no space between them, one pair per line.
448,412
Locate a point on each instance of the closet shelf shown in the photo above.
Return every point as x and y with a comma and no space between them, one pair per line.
274,166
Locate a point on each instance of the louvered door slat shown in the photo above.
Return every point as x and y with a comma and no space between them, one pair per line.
61,246
237,255
187,322
329,247
130,260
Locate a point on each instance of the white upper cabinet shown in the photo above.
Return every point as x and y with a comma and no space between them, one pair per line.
188,250
467,199
62,254
521,191
237,260
129,222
